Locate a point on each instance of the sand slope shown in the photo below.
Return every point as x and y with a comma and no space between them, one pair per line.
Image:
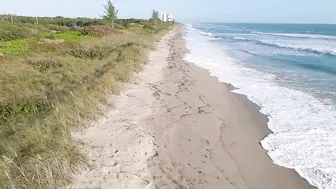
118,146
177,127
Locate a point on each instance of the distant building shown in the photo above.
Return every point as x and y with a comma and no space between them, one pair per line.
170,17
166,17
163,17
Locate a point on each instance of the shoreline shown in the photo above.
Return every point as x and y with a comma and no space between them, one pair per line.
300,104
255,110
178,127
259,173
264,119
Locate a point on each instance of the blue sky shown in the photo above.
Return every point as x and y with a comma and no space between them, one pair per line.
275,11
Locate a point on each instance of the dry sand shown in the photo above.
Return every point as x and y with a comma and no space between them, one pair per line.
178,127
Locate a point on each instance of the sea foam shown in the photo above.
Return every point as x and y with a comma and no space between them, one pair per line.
304,128
296,47
297,35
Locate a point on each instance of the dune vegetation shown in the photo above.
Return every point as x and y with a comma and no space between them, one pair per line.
55,77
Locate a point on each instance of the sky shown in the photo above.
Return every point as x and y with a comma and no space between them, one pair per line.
188,11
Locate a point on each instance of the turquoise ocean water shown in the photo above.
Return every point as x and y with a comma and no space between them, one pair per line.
289,70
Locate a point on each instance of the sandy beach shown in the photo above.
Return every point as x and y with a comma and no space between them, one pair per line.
177,127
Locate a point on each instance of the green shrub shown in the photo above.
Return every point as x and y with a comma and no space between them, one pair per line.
88,31
142,29
69,36
98,31
41,28
72,36
11,32
14,47
43,65
20,108
88,53
57,28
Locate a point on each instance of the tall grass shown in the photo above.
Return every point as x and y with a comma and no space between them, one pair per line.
50,91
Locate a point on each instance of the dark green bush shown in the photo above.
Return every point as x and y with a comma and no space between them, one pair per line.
20,108
98,31
57,28
10,32
86,31
88,53
43,65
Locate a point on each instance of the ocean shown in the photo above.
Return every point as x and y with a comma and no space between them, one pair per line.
289,70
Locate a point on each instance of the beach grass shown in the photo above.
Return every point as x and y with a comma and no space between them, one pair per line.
50,89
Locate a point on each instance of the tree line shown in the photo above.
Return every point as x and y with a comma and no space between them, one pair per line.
110,17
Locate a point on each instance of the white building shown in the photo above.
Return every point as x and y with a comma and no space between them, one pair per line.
166,17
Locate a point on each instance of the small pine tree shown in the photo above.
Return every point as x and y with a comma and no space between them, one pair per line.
110,13
155,15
